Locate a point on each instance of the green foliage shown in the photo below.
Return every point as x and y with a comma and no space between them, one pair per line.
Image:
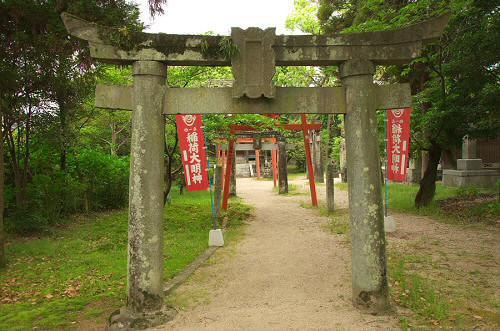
94,181
79,272
303,17
455,82
227,48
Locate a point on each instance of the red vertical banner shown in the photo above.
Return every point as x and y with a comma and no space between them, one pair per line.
193,151
398,143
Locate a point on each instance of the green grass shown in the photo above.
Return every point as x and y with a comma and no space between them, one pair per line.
52,281
296,175
339,218
292,190
411,290
402,199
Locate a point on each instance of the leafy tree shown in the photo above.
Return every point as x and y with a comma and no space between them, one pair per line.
455,82
47,80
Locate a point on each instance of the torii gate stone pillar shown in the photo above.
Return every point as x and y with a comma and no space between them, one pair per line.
253,92
145,231
369,275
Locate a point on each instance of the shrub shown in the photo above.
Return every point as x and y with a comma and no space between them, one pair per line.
93,181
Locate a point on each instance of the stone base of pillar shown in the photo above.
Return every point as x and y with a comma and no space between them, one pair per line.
125,319
215,238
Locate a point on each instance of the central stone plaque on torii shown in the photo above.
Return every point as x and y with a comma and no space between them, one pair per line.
253,62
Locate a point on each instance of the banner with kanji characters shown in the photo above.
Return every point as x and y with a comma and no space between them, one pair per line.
398,143
194,156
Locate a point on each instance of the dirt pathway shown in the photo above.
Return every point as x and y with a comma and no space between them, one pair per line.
287,273
461,261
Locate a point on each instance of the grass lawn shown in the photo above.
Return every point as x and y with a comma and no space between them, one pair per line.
78,272
293,190
402,197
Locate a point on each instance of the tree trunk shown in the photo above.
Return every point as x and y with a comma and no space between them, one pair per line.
113,139
19,182
63,136
428,183
2,168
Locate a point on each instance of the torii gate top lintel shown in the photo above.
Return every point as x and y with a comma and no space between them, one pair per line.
396,46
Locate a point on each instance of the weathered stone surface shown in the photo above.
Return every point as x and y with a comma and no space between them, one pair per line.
382,47
128,320
288,100
369,270
218,180
469,148
253,65
215,238
114,97
282,167
330,186
469,164
476,178
414,170
145,251
319,174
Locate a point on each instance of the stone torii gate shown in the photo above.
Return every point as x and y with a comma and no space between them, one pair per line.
256,54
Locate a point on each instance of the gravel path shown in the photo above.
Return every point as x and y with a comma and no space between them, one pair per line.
287,273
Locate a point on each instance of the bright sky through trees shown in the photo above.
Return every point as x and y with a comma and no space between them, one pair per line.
218,16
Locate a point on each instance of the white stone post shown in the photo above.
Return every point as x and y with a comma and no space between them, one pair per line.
369,270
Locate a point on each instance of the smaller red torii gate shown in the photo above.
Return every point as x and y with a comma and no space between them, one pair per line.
222,157
303,126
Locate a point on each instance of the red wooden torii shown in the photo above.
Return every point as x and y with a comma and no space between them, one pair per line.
222,156
304,127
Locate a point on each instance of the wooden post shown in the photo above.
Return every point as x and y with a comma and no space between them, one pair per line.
307,146
282,167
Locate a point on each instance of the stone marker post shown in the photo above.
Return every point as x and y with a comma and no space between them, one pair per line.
330,186
282,170
317,157
145,250
369,271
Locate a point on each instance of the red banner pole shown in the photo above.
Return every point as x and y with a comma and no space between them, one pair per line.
307,146
229,169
